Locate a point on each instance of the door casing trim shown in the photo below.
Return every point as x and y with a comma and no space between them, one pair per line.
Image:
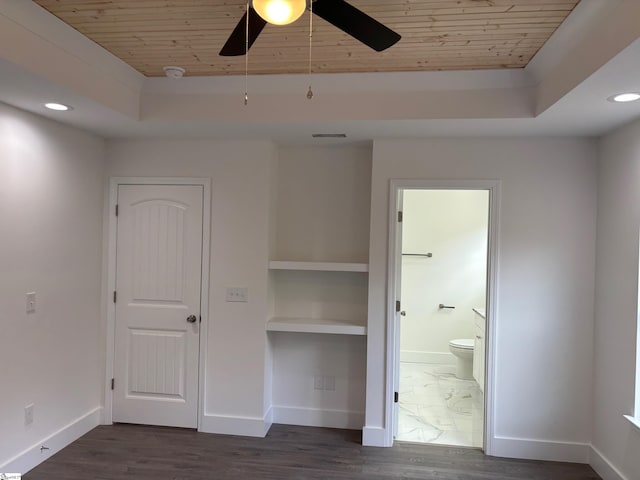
493,186
205,183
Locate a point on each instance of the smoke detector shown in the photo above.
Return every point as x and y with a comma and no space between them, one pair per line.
174,72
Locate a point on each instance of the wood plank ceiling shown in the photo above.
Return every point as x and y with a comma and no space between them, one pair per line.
436,35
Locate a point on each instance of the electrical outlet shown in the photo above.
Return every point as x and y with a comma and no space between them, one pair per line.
237,294
28,414
330,383
318,382
31,302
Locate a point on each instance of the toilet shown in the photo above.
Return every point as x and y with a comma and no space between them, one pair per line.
462,348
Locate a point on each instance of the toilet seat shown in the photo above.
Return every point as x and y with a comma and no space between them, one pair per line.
464,343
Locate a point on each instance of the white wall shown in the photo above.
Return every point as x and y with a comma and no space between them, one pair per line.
298,358
616,440
322,214
51,211
240,221
52,204
452,226
544,313
323,204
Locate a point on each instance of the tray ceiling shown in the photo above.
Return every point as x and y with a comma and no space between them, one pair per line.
436,35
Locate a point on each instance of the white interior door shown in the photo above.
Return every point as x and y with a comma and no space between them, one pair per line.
157,311
399,312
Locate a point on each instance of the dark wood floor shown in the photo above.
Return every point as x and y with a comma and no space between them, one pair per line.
300,453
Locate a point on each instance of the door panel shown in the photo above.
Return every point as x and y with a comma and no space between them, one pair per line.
158,237
158,282
156,363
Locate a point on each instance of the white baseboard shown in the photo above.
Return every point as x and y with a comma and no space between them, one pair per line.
374,437
603,466
511,447
313,417
230,425
33,456
268,420
440,358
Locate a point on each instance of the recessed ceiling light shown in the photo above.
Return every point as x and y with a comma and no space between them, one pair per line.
624,97
58,107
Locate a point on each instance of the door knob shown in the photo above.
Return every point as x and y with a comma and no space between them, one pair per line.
192,319
403,313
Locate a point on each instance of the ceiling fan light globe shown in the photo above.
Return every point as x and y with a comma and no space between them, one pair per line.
280,12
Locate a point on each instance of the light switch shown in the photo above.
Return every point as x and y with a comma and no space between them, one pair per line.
237,294
330,383
31,302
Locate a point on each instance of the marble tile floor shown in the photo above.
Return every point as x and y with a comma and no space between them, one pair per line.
436,407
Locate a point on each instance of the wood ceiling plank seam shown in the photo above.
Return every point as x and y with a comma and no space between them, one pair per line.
432,50
404,48
220,14
171,27
428,19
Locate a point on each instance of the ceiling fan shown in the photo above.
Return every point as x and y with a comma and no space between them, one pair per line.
337,12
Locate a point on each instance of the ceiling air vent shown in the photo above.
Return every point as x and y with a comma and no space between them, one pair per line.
329,135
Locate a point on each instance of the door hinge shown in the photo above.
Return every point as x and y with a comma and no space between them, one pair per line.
199,318
116,209
397,305
115,296
400,216
395,397
113,383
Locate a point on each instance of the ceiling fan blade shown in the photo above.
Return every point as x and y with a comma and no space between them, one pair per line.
356,23
236,43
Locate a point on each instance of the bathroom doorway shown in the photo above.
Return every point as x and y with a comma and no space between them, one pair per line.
441,277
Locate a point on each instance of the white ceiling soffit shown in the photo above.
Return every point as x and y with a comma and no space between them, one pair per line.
593,34
110,98
38,42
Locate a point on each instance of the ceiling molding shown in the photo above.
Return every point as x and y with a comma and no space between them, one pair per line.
386,82
442,104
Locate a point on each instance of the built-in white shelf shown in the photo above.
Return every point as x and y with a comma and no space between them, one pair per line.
319,266
315,325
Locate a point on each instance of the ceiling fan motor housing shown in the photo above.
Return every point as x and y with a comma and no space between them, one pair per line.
279,12
339,13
